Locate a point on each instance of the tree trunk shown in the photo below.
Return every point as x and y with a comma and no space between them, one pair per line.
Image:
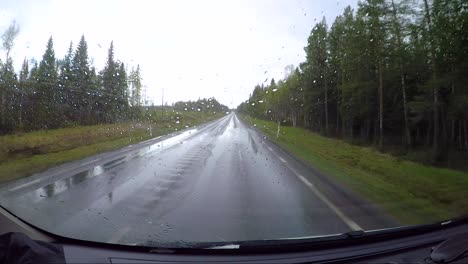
362,131
428,135
402,76
452,137
294,118
2,109
460,142
466,135
368,132
20,117
343,127
326,106
376,129
418,135
380,105
435,90
305,120
337,128
452,133
443,121
405,109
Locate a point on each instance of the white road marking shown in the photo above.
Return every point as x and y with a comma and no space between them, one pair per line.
305,181
348,221
89,162
24,185
161,189
167,180
240,156
270,149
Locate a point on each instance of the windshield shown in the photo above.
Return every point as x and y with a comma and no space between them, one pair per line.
174,122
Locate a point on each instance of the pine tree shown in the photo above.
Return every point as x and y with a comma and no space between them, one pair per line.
96,97
82,87
135,91
317,74
373,13
65,85
122,92
47,88
23,91
398,10
9,89
109,85
136,85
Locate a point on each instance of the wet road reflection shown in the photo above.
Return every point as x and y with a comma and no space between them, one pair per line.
217,182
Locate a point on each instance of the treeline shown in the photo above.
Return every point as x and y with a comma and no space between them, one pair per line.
63,92
389,73
201,105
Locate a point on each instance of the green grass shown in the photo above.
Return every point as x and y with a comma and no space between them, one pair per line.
411,192
24,154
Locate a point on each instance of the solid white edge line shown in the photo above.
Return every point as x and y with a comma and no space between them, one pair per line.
89,162
348,221
24,185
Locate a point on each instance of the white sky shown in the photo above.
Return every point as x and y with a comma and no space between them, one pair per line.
189,48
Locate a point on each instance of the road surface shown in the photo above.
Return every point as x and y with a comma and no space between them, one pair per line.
222,181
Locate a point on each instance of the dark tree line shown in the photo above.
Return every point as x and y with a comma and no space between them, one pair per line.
201,105
392,72
62,92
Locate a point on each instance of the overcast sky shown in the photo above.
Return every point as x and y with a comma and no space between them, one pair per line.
189,48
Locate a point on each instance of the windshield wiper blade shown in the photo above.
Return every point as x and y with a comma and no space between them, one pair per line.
451,249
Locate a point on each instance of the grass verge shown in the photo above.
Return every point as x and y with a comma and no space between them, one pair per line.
412,192
24,154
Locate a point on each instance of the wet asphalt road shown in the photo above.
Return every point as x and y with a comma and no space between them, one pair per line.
222,181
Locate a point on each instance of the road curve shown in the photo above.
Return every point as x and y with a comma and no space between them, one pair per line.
220,182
